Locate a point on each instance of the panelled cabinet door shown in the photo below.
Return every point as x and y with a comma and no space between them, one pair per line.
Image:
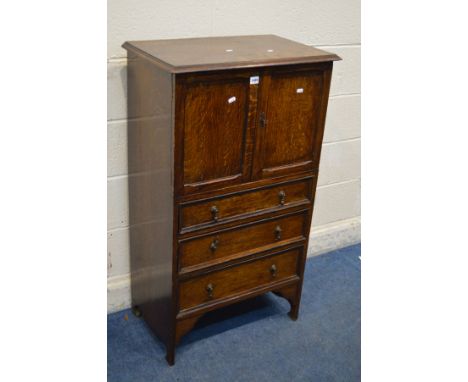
213,132
291,115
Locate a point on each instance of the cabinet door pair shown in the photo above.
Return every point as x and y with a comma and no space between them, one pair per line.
249,125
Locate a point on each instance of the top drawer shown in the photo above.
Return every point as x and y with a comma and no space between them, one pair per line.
222,209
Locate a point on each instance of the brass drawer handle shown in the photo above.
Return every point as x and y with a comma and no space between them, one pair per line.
214,213
209,290
278,232
273,270
214,244
282,197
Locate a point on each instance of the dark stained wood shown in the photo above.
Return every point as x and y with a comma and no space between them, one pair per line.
238,279
290,138
199,215
255,236
292,294
184,326
211,153
254,184
210,156
150,193
215,53
240,131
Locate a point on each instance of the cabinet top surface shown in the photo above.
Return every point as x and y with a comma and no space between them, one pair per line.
215,53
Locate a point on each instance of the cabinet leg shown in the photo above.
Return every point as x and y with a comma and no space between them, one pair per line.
291,293
182,327
136,311
294,312
170,354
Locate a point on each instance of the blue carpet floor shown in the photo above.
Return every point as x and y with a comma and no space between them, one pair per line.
256,340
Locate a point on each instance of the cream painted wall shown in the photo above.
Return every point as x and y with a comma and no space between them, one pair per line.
332,25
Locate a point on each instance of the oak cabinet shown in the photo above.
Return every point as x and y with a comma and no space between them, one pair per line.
224,141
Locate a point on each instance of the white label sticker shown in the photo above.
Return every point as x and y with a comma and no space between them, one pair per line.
254,80
300,90
232,99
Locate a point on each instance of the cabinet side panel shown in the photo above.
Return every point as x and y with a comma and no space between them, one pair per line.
327,75
150,191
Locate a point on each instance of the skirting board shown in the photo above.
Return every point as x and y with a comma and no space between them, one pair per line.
336,235
323,239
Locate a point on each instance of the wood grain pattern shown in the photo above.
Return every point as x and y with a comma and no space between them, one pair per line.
214,131
291,112
237,280
215,125
289,140
238,130
216,53
199,215
224,244
250,185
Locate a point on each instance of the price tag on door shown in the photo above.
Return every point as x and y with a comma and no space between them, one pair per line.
254,80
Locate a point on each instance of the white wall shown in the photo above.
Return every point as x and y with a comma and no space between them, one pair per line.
332,25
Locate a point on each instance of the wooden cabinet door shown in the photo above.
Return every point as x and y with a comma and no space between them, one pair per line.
213,121
291,117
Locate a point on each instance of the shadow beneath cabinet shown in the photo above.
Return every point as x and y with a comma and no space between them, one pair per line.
236,315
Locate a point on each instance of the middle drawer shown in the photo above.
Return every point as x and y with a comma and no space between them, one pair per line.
241,241
196,215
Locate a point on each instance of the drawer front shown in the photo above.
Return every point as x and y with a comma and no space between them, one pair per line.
239,241
219,210
238,279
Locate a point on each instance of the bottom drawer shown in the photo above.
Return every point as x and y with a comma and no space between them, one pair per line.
238,279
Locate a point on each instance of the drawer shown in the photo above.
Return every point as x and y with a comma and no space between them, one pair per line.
225,208
241,241
240,279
